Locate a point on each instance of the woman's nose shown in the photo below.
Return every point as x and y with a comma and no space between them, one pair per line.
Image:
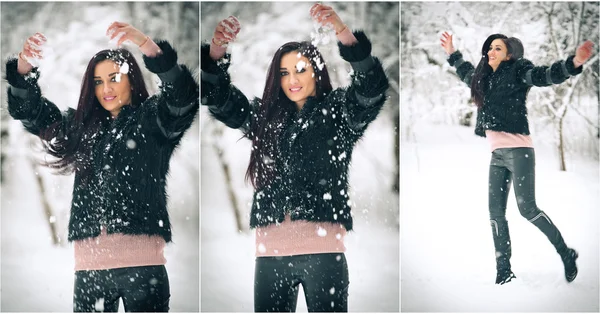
293,79
107,88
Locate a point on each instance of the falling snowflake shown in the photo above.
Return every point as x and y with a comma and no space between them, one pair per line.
321,232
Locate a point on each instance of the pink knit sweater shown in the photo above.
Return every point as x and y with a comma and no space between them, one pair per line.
299,237
118,250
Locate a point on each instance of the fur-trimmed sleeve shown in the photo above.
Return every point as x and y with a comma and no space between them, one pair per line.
557,73
225,102
178,100
464,69
26,103
365,97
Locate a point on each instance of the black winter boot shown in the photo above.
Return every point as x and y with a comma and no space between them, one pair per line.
570,265
501,235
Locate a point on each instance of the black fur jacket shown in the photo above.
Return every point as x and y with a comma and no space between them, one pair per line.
315,148
505,90
124,188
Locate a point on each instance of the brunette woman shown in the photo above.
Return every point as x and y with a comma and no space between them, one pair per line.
303,132
499,87
118,142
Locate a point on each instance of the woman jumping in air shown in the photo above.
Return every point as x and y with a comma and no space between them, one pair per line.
303,132
499,87
118,142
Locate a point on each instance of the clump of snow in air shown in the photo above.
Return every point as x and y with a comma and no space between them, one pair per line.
123,69
267,160
99,305
332,290
131,144
262,248
300,65
153,281
321,34
321,232
318,62
327,196
160,223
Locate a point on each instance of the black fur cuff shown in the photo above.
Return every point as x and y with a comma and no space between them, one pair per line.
211,66
358,51
164,62
455,56
17,80
571,67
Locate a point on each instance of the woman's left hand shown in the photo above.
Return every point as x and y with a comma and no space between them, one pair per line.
129,33
584,52
324,15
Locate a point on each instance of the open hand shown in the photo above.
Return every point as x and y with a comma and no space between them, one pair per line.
583,53
447,43
226,31
127,32
325,15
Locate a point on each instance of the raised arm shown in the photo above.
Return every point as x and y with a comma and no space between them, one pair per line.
178,99
464,69
25,100
366,94
558,72
225,102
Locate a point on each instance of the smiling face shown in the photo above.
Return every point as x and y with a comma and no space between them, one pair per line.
497,53
112,87
297,78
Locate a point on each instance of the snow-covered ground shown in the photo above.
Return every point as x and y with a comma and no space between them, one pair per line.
38,277
227,257
447,255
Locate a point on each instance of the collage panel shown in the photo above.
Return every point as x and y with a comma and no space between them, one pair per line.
290,94
100,157
499,127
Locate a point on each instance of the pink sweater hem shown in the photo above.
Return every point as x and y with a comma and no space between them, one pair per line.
507,140
117,250
299,237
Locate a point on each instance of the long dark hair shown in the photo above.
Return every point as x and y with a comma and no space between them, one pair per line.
514,49
275,110
71,143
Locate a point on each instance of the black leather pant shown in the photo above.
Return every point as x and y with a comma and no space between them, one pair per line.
324,279
143,289
516,165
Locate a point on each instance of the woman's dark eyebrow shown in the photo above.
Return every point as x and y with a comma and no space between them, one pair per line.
282,69
110,75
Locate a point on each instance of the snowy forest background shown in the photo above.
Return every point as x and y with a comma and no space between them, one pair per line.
36,259
447,249
227,259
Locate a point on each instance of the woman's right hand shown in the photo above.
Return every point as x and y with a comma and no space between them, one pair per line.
447,43
225,32
32,49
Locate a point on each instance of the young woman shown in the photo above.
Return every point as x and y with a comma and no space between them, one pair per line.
303,133
118,142
499,87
